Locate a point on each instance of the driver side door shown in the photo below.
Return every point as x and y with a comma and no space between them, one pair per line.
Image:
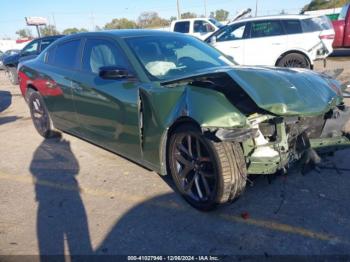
231,41
107,109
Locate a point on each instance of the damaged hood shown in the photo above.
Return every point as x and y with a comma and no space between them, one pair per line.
281,91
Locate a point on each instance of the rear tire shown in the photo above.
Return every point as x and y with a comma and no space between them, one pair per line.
40,115
206,173
13,76
294,60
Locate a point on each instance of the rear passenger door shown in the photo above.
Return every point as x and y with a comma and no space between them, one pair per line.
297,40
266,43
56,82
107,109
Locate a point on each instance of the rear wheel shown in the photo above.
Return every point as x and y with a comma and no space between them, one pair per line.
294,60
206,173
40,116
12,73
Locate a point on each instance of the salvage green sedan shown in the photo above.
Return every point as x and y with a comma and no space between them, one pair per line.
178,106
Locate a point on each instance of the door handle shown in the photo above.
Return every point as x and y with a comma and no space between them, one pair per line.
277,43
235,47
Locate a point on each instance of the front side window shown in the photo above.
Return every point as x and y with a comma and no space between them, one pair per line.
231,33
31,48
201,26
66,54
182,27
266,28
99,53
292,26
168,57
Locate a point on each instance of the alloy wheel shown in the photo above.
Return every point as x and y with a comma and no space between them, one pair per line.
193,165
39,115
296,63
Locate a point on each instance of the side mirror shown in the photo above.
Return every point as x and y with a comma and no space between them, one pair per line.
212,40
113,72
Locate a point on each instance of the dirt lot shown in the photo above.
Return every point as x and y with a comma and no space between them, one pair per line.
66,194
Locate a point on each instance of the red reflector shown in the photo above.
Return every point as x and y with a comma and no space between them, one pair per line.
327,36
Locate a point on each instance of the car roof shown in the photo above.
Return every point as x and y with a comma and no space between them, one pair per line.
192,19
123,33
49,37
272,17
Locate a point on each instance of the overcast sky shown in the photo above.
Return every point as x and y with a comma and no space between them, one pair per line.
91,13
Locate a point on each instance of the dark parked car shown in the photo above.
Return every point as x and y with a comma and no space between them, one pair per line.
30,51
7,54
176,105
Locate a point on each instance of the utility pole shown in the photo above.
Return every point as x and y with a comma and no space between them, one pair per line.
256,8
205,8
92,22
53,20
178,9
50,27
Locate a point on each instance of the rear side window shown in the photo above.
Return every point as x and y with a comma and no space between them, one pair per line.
101,52
266,28
66,54
182,27
316,24
292,26
50,55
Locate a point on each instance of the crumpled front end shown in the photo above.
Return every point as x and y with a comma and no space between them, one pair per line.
275,143
282,141
289,113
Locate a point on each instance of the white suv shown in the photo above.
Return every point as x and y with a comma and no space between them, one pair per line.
288,40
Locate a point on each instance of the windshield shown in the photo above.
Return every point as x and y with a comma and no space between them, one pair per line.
169,57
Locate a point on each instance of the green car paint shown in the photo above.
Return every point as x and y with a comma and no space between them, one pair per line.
133,116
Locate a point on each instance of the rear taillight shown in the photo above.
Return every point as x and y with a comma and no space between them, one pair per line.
325,37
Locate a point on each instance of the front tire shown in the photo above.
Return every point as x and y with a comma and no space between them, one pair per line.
294,60
206,173
40,115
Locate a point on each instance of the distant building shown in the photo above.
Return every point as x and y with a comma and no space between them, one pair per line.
13,44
